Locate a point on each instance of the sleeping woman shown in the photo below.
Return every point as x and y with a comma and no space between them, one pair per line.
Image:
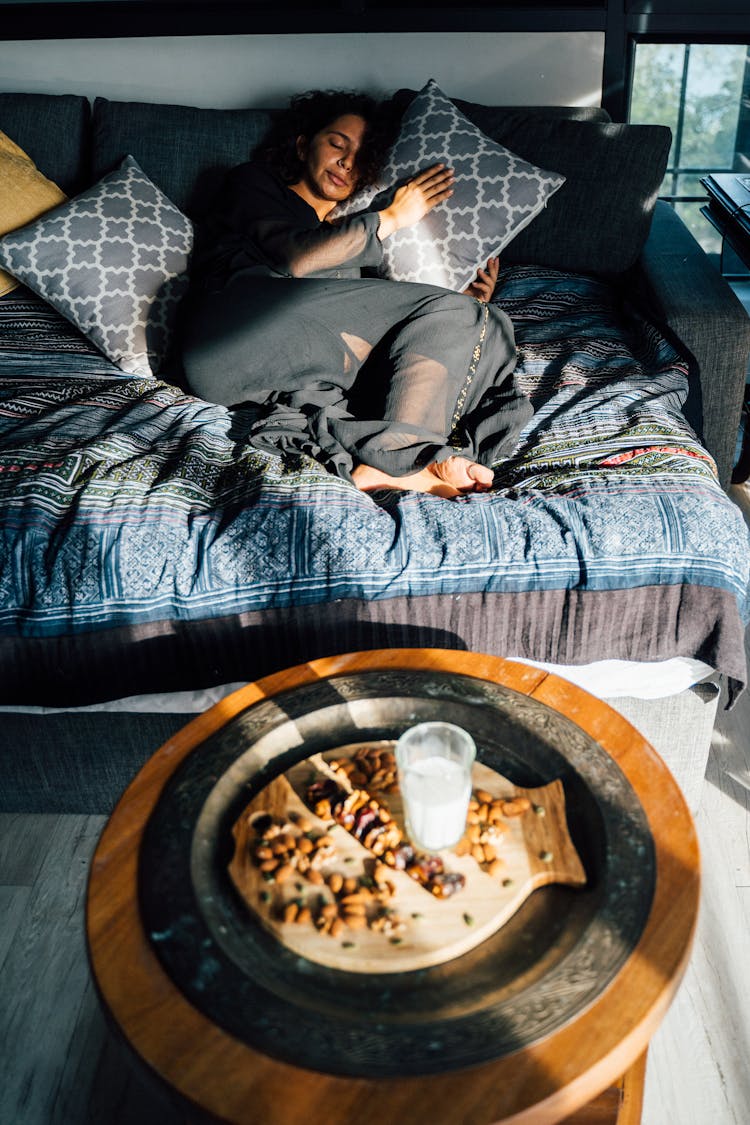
387,383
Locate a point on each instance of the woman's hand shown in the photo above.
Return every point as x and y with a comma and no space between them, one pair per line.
415,198
483,285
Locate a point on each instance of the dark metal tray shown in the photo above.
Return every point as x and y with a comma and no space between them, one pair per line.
544,967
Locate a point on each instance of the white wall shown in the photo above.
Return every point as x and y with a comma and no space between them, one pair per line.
510,68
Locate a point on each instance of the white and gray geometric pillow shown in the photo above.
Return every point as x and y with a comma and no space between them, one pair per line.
113,261
495,195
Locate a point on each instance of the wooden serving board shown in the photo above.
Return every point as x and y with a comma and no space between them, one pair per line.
534,847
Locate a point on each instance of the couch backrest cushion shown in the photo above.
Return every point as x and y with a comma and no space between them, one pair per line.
185,150
599,220
54,131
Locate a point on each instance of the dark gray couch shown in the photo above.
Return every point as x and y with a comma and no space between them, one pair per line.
69,761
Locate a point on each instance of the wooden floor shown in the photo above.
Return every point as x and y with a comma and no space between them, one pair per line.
61,1065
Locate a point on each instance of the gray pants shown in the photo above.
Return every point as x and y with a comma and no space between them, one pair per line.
385,373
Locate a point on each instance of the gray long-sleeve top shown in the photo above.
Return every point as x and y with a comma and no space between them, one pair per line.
258,223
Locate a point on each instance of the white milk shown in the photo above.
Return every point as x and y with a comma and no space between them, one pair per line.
435,793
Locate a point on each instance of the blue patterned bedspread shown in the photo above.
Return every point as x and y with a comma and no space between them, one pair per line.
126,501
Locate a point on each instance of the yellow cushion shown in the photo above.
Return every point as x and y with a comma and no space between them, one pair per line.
24,195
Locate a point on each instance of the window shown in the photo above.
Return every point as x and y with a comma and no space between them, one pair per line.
702,92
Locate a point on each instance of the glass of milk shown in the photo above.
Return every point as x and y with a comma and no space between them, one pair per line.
434,763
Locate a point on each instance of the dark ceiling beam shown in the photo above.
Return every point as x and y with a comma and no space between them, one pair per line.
98,19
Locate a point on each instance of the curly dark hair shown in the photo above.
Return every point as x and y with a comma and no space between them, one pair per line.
310,112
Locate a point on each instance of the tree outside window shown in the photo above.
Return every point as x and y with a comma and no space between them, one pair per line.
702,92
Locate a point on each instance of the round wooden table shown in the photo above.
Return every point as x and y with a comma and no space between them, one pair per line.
575,1071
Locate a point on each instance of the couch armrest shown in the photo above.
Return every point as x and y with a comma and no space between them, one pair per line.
680,289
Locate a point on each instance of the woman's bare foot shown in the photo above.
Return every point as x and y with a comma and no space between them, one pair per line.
450,478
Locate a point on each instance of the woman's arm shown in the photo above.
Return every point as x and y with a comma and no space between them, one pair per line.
349,242
261,220
301,252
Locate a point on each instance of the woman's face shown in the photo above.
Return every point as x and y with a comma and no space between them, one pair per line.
330,162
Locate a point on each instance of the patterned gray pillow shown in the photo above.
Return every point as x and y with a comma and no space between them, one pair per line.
113,261
496,194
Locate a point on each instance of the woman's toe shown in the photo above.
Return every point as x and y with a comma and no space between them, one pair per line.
464,474
481,474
